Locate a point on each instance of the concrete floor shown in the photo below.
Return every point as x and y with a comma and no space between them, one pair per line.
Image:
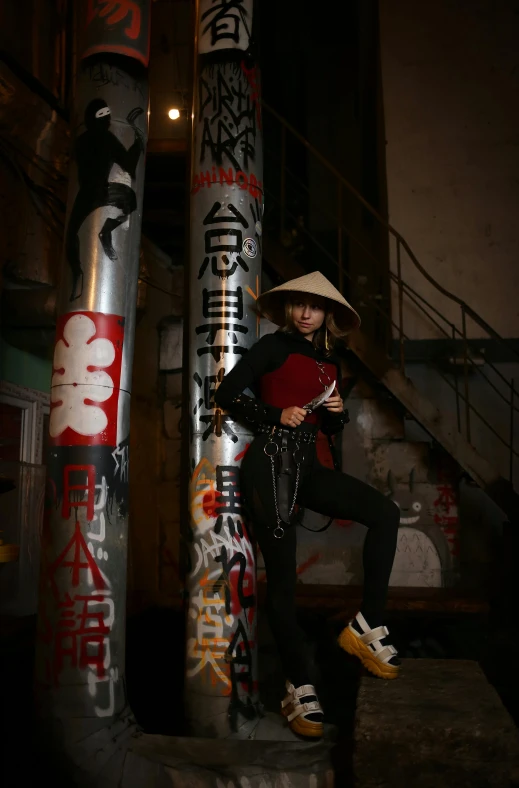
155,646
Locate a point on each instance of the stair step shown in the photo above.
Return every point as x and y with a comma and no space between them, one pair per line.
439,723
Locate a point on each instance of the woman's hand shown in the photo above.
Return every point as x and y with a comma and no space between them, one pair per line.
293,417
334,403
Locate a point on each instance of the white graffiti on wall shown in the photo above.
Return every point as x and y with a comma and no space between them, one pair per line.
211,547
109,675
417,562
99,520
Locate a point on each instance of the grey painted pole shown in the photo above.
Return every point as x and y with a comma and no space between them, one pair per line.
80,662
225,267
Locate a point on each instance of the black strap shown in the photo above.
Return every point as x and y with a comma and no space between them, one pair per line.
285,478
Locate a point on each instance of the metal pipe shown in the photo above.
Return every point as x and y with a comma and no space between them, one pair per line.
458,412
80,660
512,394
400,307
226,209
465,371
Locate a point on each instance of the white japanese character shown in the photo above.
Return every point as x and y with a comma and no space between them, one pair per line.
73,382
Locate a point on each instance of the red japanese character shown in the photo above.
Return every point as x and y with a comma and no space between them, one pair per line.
446,497
82,636
118,10
77,556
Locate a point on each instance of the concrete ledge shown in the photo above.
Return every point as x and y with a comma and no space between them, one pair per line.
440,723
211,763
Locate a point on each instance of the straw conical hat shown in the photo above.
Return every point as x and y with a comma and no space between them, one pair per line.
272,303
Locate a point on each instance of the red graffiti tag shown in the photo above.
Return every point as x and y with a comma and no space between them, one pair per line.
242,454
115,11
229,177
81,636
89,487
446,515
252,77
77,557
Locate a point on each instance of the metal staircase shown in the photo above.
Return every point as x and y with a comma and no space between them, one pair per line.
360,233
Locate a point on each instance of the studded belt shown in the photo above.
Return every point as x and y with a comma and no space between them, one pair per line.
296,434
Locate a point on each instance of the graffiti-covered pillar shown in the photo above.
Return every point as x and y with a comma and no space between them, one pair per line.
81,620
225,266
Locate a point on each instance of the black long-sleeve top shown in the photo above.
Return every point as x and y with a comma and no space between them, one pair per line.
281,370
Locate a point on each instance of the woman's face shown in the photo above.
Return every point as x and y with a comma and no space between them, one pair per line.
308,313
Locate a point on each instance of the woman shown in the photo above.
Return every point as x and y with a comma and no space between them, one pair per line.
280,470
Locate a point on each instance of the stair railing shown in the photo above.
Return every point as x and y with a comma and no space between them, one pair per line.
406,294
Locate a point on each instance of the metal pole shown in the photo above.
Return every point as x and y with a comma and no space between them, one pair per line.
466,371
512,396
80,660
456,387
400,307
225,267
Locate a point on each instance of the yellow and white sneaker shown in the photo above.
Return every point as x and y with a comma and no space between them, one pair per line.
362,642
303,711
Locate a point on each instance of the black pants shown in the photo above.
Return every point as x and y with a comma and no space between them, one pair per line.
330,493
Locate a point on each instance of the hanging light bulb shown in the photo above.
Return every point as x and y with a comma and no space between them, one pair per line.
174,113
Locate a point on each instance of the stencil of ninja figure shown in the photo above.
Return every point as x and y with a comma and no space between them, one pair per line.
105,170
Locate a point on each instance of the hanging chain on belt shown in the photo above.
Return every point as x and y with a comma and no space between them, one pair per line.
279,531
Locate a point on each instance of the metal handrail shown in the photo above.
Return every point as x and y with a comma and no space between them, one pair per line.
390,229
403,288
463,397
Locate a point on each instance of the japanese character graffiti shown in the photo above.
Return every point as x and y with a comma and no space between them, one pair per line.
85,379
116,26
225,239
226,216
226,597
446,510
228,117
81,619
105,173
224,24
78,608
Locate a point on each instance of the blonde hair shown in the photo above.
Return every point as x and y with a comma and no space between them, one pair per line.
326,336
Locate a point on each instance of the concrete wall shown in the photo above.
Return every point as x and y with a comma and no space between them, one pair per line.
450,82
